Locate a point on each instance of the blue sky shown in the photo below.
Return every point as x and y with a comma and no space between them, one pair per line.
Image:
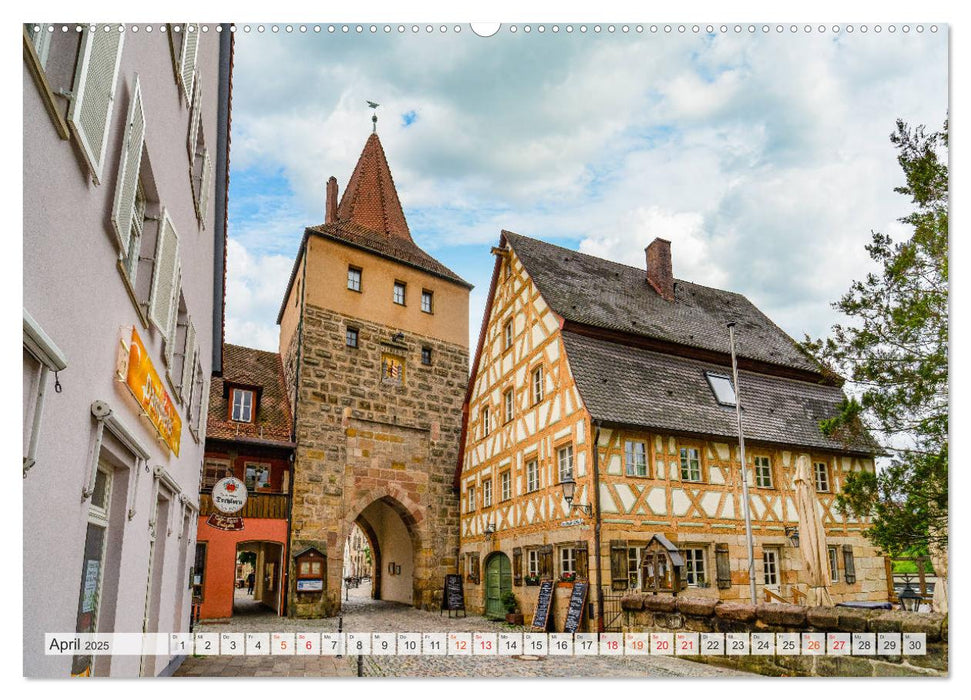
764,157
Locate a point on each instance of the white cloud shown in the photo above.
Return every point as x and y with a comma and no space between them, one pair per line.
255,287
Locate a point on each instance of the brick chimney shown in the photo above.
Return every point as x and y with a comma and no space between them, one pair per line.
659,273
330,215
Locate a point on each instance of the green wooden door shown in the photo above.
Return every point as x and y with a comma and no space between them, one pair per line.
498,582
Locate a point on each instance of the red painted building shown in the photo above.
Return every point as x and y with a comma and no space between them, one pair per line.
249,436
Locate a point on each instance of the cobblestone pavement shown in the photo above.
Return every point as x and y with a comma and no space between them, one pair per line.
362,614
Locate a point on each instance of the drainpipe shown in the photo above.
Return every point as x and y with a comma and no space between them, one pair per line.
596,527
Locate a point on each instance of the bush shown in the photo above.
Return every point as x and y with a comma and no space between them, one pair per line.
508,601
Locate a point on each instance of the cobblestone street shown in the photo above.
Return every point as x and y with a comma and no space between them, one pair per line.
362,614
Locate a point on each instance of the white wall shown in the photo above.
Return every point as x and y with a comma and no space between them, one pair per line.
396,546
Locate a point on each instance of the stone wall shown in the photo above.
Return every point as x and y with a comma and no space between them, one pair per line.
361,440
662,613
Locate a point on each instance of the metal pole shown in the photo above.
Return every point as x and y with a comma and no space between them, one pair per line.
741,453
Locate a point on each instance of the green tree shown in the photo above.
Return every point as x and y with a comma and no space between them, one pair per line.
895,351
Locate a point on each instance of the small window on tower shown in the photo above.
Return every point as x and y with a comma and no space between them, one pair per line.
399,293
426,356
426,301
351,337
354,279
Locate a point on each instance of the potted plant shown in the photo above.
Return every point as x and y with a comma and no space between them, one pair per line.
513,616
568,577
532,580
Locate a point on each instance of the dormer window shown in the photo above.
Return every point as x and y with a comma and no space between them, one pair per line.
241,401
722,387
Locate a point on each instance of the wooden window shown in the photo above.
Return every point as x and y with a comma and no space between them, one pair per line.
354,279
507,335
568,561
212,471
582,561
821,472
619,565
507,405
517,566
723,566
690,464
487,493
532,475
532,563
635,458
399,293
470,498
849,565
485,421
564,460
695,571
241,405
505,486
770,565
426,355
426,301
834,569
351,337
537,385
257,476
763,472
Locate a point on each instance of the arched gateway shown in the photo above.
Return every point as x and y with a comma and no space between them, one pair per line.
374,341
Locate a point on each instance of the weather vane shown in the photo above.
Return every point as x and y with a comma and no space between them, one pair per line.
374,117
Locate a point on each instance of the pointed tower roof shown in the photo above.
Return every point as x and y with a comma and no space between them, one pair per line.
370,199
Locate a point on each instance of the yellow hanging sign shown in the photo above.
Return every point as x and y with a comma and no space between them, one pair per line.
146,386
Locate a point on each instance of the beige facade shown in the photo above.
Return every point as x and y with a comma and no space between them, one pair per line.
528,427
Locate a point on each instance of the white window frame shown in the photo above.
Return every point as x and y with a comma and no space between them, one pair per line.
833,555
763,471
257,466
825,474
486,426
508,405
688,472
532,562
354,275
635,463
487,493
568,560
564,462
51,359
505,485
426,301
771,566
532,476
537,384
694,556
243,406
470,499
634,575
400,293
507,335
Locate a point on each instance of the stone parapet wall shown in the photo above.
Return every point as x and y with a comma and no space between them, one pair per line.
662,613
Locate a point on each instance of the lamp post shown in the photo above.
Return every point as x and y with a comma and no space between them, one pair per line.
746,508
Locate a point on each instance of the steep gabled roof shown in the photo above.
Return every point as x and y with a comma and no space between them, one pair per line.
596,292
257,369
625,385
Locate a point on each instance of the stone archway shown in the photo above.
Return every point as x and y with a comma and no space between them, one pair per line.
392,530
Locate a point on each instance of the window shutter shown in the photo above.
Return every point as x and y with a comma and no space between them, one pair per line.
200,382
93,96
172,337
474,567
128,169
187,61
203,199
582,565
723,566
849,566
517,566
164,276
204,411
618,565
546,561
195,119
188,360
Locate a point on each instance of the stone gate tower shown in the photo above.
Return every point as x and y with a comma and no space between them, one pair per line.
374,341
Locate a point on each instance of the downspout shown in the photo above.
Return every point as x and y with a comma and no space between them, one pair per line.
293,428
596,527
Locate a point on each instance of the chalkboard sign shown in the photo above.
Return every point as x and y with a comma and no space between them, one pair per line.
453,597
574,613
544,602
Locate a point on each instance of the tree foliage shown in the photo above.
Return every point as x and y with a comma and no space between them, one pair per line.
895,352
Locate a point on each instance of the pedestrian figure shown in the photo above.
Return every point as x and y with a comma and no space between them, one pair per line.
250,582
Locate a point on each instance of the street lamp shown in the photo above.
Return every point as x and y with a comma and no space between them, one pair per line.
909,598
792,533
569,491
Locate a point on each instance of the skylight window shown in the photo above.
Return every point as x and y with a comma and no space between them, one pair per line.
722,387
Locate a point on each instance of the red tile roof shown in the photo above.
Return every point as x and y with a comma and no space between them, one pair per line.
370,199
250,368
